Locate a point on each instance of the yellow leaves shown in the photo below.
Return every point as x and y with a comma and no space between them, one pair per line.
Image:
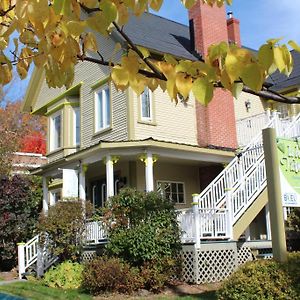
283,59
76,28
266,56
188,3
144,51
3,43
184,84
90,42
156,4
252,76
203,90
109,10
5,74
120,77
294,45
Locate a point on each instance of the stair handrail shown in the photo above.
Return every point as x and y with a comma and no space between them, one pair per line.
234,177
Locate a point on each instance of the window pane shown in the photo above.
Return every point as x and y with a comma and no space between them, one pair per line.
77,126
180,187
100,110
172,191
146,105
180,198
107,98
57,132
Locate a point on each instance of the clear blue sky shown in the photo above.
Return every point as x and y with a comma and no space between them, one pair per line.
260,20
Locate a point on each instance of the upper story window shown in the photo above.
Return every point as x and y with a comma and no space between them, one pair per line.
102,109
146,105
56,131
172,190
77,126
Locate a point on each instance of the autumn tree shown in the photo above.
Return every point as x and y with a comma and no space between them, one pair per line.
58,34
19,132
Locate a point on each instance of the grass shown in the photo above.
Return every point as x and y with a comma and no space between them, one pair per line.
36,291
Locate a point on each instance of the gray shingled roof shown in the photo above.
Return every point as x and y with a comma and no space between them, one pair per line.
166,36
281,81
160,34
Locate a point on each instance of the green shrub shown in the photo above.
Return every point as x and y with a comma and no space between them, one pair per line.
20,204
105,274
67,275
142,228
264,279
64,228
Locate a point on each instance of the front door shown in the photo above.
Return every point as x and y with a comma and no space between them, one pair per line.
98,193
99,190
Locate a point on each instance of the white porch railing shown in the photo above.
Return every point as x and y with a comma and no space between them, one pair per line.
28,252
95,233
234,189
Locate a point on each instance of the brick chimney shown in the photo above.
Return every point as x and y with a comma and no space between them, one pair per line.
216,122
233,28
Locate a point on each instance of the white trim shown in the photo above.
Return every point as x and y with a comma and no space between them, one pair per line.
173,181
27,165
30,154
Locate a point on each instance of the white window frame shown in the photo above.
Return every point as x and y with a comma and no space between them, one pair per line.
106,125
53,141
176,182
77,110
150,118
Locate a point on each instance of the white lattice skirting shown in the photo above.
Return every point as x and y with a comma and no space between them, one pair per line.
213,262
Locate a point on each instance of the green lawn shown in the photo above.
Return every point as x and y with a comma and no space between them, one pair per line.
36,291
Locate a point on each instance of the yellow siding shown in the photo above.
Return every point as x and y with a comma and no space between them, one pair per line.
175,123
257,106
164,171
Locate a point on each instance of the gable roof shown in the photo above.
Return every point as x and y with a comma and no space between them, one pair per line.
281,81
161,35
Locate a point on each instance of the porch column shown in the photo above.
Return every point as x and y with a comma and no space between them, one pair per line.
82,194
70,183
45,195
268,223
110,186
149,172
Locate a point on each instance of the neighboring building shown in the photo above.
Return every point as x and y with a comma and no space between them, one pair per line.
100,140
23,163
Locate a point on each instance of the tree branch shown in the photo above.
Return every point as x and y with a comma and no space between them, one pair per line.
4,12
139,53
111,64
271,95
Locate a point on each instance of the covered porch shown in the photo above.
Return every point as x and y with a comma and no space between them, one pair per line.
176,170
